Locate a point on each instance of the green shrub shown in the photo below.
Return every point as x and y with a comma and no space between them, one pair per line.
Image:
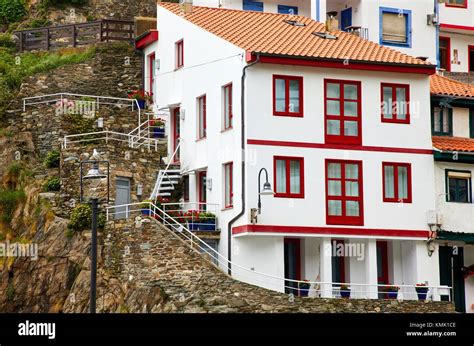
81,218
12,10
9,200
52,184
10,292
52,159
78,124
6,40
15,169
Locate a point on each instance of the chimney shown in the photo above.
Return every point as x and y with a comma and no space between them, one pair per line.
186,6
332,24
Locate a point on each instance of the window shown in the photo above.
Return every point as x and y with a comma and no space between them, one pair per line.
396,182
344,201
459,186
395,103
250,5
201,107
395,27
289,177
343,112
471,58
228,185
186,188
456,3
151,75
291,10
442,121
179,54
227,105
445,53
288,96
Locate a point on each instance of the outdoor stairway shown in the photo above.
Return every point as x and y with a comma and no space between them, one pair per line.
166,181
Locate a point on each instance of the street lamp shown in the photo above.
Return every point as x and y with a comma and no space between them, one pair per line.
94,178
267,189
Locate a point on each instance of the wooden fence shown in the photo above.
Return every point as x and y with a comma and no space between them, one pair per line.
74,35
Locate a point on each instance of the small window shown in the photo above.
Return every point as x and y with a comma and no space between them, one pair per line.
289,177
456,3
459,186
288,96
186,188
395,103
291,10
179,54
344,201
445,53
395,27
227,106
396,182
202,121
151,75
228,185
250,5
442,121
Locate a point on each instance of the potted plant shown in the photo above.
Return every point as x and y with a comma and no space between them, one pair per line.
208,221
145,207
192,218
392,291
140,96
345,291
158,127
421,291
304,288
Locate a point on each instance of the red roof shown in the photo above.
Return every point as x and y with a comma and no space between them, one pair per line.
449,87
453,144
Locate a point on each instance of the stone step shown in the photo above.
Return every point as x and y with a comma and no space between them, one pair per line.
166,188
164,194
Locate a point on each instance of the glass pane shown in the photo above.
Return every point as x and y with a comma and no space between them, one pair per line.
334,188
333,107
280,98
350,128
228,200
335,208
295,176
333,90
352,188
281,176
334,170
352,171
350,92
445,116
350,109
352,208
387,103
294,105
402,106
389,182
202,110
334,127
227,107
437,120
402,182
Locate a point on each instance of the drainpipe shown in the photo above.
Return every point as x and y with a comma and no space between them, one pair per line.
437,26
242,134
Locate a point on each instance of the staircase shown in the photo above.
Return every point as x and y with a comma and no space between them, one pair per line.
166,181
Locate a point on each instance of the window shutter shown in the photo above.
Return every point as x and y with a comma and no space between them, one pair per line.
394,27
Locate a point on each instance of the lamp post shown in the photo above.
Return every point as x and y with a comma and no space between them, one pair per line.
267,189
95,177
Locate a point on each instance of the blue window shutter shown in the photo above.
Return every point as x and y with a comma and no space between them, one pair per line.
250,5
283,9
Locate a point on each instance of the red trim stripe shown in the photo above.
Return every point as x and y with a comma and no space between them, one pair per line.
149,38
330,231
457,27
338,146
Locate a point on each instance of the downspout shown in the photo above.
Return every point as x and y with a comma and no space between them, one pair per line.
437,26
242,136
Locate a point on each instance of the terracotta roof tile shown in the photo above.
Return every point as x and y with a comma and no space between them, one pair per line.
453,143
440,85
267,33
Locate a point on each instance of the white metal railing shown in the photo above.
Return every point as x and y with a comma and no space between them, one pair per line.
163,173
316,288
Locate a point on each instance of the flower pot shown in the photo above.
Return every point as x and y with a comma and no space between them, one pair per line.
345,293
158,132
304,292
146,212
392,295
422,292
141,104
202,225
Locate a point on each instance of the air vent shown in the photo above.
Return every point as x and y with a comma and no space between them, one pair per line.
294,23
325,35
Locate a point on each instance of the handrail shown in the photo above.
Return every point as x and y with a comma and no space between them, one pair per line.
159,180
106,135
157,213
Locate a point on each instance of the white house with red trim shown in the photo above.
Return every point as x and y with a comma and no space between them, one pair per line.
248,90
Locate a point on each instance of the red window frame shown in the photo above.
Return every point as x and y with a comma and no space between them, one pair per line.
341,138
383,246
344,219
464,5
151,79
176,132
227,90
230,166
202,132
396,198
287,80
287,160
448,48
394,87
179,54
202,193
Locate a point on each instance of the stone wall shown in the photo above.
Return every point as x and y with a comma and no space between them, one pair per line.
467,77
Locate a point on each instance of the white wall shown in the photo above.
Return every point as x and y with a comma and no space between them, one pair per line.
457,16
304,6
461,122
460,43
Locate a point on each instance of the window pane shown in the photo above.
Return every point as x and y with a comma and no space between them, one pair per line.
445,117
352,171
350,92
295,176
334,127
334,188
280,95
350,109
352,188
333,90
389,182
350,128
202,110
387,103
333,107
228,197
281,176
227,106
352,208
459,190
294,106
401,104
402,182
334,170
335,208
437,119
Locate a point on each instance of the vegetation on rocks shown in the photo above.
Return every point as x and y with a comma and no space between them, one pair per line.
9,200
52,159
81,218
52,184
12,11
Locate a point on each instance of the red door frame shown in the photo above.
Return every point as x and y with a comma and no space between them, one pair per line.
151,79
383,245
470,49
201,175
342,264
448,57
176,132
297,243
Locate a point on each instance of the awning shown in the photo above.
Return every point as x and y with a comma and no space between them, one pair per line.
468,238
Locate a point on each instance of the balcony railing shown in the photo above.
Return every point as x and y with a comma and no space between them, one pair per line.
358,31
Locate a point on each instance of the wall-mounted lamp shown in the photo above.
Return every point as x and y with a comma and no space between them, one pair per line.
267,189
